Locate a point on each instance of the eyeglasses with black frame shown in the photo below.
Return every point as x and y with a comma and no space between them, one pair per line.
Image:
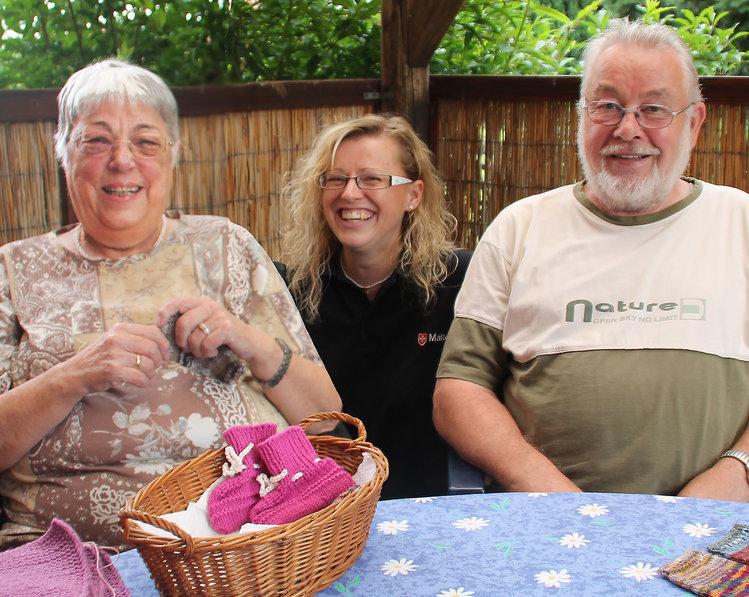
142,145
649,116
369,182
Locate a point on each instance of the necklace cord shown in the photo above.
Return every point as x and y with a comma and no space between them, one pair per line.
362,287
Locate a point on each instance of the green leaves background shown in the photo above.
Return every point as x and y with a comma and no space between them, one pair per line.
197,42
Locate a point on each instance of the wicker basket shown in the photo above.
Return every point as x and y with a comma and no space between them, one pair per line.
299,558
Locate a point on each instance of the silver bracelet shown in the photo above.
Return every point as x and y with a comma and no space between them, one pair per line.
282,368
742,457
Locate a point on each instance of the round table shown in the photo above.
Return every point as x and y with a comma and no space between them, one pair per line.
520,544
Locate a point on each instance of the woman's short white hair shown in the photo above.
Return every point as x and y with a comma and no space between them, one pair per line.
118,80
624,31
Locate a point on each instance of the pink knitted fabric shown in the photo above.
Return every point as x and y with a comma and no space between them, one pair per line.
231,500
298,482
57,564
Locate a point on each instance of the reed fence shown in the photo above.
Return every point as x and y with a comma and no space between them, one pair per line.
495,139
234,164
29,180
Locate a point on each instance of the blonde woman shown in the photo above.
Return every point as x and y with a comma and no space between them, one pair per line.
374,272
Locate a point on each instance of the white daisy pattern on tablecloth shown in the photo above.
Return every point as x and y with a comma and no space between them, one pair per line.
593,510
698,530
640,571
552,578
422,500
396,567
574,540
392,527
667,499
536,495
460,592
471,524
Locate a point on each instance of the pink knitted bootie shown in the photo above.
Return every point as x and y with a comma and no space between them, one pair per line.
298,482
231,500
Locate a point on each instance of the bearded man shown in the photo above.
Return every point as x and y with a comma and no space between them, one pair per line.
601,339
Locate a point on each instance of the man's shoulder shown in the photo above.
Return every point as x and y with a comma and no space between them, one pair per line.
548,206
723,191
552,195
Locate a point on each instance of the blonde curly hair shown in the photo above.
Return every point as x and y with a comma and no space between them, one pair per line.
309,244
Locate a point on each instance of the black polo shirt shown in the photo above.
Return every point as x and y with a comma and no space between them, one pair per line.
382,357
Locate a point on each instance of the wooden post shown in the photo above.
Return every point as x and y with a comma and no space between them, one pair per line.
411,32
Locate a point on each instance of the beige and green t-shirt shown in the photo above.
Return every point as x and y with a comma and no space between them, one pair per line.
619,344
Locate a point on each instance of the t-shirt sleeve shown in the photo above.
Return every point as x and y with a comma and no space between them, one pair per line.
473,352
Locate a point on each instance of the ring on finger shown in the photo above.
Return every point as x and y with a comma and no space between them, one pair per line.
204,328
138,360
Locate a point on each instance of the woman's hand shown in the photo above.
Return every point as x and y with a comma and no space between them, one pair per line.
204,325
128,353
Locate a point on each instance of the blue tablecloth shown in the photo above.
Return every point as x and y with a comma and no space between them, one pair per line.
520,544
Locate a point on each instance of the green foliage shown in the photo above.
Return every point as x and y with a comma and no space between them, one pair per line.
190,42
529,37
194,42
714,49
734,17
517,37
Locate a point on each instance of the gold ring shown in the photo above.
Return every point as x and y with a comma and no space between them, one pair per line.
204,328
138,359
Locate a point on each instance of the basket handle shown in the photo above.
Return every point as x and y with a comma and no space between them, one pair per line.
361,432
127,516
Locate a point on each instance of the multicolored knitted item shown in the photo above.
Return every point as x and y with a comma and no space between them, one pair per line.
709,575
734,546
741,556
230,502
298,482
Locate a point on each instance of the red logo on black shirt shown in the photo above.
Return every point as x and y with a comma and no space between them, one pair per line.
423,336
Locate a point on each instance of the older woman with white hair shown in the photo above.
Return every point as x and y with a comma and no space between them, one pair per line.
131,340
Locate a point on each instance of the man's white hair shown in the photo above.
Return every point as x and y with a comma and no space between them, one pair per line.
624,31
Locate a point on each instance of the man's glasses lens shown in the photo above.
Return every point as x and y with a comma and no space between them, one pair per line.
648,115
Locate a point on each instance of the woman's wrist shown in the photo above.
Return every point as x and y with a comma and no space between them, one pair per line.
280,371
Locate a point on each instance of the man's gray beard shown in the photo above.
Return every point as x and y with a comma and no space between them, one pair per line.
620,195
